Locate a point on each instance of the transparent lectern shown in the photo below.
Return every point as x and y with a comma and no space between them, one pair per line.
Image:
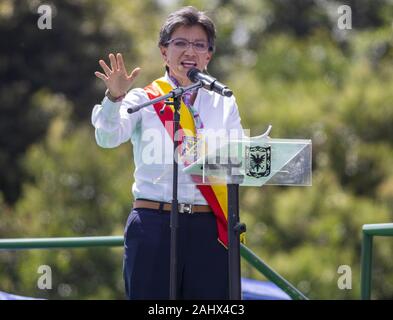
254,162
249,161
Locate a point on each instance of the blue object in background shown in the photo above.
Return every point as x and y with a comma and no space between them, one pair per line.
251,290
8,296
262,290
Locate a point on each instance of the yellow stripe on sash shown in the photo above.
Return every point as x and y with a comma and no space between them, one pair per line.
186,118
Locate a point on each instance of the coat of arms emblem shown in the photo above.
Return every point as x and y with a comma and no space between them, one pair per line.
258,161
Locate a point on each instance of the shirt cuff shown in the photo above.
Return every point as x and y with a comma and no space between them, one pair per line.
109,108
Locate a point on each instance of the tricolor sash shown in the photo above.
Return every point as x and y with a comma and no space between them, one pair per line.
215,195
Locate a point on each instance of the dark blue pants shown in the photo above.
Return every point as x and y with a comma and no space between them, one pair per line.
202,260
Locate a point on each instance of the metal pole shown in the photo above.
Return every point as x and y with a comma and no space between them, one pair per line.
56,243
234,242
366,266
270,274
174,221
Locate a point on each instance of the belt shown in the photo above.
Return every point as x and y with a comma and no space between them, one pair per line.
183,207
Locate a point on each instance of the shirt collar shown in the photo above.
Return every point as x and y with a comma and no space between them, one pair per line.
168,78
173,82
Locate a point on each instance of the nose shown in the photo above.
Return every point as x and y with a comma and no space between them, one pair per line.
190,49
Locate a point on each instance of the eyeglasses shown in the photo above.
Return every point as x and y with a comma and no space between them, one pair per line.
183,44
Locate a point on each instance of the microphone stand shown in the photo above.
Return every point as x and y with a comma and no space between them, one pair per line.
175,94
235,228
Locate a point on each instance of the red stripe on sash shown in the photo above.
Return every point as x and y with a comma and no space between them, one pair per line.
206,190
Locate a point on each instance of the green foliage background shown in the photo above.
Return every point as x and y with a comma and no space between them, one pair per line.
288,65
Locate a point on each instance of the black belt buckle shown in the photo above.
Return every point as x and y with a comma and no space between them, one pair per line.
185,208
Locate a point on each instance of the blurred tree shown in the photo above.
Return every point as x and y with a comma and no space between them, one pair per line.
302,17
309,88
60,60
79,189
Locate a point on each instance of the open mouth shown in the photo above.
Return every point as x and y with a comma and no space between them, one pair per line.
188,64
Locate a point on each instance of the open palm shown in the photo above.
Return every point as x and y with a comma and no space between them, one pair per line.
116,78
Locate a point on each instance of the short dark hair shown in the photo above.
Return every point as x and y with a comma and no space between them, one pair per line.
187,16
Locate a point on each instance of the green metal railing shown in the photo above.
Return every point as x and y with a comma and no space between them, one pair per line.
270,274
115,241
369,231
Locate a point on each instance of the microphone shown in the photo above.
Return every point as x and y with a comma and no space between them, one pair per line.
208,82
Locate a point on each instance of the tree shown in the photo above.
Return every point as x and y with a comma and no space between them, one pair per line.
61,60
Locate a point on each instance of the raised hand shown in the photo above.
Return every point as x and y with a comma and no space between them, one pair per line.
116,78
